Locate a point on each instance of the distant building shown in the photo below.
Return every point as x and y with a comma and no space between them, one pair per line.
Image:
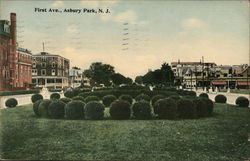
49,70
75,77
15,63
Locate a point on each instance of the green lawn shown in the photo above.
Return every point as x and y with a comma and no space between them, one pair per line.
239,91
222,137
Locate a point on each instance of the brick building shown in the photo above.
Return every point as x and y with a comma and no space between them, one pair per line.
49,70
11,63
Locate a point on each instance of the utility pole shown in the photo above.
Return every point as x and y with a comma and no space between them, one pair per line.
43,46
202,73
207,77
191,79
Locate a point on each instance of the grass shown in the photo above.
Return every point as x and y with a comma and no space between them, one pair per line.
221,137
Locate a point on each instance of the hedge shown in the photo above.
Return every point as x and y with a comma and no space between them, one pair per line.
120,110
11,102
242,101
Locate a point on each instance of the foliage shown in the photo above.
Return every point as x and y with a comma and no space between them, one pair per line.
201,107
142,110
100,73
166,108
119,79
78,98
156,98
65,100
8,93
242,101
139,79
220,98
55,96
74,110
204,95
108,99
127,98
69,94
175,97
142,97
56,109
91,98
186,109
120,110
94,110
11,102
43,108
35,107
36,97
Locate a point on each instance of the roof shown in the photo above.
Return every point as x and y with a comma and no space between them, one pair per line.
191,63
24,50
48,54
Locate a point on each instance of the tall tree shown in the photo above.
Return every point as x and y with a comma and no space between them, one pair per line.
100,73
119,79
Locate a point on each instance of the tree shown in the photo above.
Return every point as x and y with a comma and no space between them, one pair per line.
100,73
138,79
162,76
119,79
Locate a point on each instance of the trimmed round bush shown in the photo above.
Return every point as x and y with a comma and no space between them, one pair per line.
108,99
78,98
35,107
36,97
127,98
142,97
94,110
192,93
43,108
120,110
56,109
142,110
201,107
156,98
55,96
186,109
210,106
69,94
220,98
91,98
65,100
11,102
204,95
74,110
242,101
166,108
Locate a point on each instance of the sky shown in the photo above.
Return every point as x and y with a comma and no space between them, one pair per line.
136,35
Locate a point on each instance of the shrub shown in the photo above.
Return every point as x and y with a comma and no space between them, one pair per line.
204,95
43,108
166,108
175,97
91,98
210,106
65,100
94,110
108,99
220,98
120,110
36,97
242,102
186,109
156,98
11,102
56,109
127,98
74,110
78,98
55,96
142,110
192,93
35,107
201,107
69,94
142,97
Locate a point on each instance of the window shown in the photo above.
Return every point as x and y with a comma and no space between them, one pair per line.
34,59
34,65
53,72
53,65
43,65
43,72
34,71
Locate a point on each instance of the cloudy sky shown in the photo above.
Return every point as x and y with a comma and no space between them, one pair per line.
136,35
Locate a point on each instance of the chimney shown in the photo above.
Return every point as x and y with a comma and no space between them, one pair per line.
13,29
